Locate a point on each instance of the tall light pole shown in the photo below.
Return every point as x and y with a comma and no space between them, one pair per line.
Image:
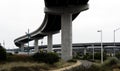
101,46
93,51
28,35
114,38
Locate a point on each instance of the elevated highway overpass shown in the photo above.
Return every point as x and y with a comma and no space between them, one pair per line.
58,16
82,45
109,47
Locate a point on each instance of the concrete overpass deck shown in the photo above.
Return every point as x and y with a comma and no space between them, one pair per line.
52,19
59,15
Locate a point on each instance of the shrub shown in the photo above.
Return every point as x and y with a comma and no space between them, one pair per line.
98,56
3,55
9,54
113,61
50,58
88,56
117,55
76,57
94,67
39,57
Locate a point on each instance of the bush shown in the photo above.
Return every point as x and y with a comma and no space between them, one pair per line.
39,57
94,67
111,62
117,55
3,55
88,56
49,58
9,54
98,56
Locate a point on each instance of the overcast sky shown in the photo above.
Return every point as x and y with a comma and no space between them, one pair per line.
16,16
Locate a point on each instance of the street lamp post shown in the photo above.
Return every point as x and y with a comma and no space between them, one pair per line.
101,46
114,38
28,34
93,51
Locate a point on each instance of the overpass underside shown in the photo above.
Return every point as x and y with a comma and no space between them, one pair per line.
59,15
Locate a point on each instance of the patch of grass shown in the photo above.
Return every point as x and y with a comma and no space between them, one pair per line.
17,66
17,58
33,66
60,64
116,69
72,60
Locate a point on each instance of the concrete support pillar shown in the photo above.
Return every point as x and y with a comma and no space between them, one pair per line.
22,47
66,36
36,47
85,50
49,48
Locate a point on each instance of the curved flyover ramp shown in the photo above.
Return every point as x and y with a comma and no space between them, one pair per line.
51,24
56,15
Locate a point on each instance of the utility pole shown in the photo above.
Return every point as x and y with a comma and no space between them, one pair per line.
93,52
101,47
28,35
114,38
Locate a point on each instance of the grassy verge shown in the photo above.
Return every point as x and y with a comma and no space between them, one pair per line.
18,66
41,61
32,66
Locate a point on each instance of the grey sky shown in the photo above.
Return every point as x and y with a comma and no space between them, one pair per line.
16,16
